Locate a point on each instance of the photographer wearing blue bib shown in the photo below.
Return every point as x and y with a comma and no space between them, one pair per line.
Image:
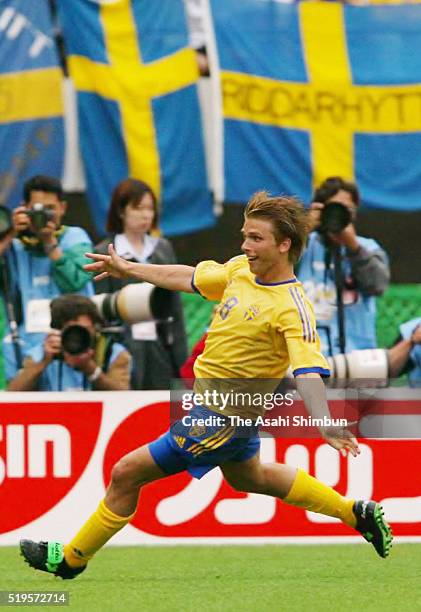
44,259
342,273
75,355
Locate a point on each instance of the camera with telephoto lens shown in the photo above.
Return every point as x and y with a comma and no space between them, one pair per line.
334,217
6,223
368,367
39,216
359,368
76,339
135,303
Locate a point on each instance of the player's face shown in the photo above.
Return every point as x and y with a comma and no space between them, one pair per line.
259,245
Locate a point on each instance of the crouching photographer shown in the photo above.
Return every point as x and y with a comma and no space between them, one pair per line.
75,355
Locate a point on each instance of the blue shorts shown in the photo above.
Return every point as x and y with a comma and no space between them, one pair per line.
199,448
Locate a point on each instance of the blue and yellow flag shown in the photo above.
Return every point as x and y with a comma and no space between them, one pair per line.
31,101
320,89
139,114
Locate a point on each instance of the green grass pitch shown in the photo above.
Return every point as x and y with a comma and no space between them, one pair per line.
238,578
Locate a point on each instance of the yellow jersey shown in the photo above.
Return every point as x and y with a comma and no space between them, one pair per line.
260,329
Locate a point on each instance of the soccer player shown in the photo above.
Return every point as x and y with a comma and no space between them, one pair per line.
264,324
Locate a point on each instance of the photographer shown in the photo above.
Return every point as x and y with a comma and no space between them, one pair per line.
44,257
363,270
74,356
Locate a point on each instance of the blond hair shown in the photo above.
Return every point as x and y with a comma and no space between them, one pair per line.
288,217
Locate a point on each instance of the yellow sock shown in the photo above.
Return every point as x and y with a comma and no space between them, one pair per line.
97,530
311,494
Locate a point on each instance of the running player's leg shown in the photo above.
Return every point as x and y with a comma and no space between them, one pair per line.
128,475
296,487
290,484
114,512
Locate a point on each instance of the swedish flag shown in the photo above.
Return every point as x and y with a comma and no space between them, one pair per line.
31,103
320,89
138,107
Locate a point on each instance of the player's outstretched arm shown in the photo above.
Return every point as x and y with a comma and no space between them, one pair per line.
313,393
173,276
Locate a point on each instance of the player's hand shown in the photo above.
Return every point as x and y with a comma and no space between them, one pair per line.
314,215
341,439
108,265
52,345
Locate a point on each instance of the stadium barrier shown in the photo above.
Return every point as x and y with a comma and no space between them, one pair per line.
57,451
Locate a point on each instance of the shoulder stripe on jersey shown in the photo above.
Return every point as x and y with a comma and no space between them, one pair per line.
300,312
308,318
305,314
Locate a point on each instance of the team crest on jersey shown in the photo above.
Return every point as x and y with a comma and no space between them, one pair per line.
197,430
251,313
